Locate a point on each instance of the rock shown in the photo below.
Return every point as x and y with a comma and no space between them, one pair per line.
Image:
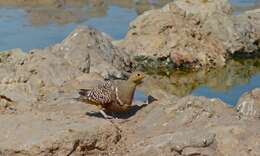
248,105
58,125
190,151
53,124
179,141
54,133
11,55
38,113
192,34
27,78
105,58
190,126
7,105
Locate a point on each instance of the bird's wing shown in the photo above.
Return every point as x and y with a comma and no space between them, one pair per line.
102,94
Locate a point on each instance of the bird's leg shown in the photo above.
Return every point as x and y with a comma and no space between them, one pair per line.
114,115
105,115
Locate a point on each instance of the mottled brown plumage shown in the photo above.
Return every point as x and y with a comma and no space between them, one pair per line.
113,96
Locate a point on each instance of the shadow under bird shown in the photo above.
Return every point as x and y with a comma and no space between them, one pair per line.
112,96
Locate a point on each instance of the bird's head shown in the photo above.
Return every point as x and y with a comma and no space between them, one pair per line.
136,77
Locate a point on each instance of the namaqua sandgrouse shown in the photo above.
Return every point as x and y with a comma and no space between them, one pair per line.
112,96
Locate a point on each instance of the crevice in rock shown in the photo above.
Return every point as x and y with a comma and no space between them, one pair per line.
75,146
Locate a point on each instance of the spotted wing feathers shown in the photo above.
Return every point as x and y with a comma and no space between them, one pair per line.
102,94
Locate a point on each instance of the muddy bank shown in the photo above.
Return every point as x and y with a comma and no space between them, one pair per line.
193,34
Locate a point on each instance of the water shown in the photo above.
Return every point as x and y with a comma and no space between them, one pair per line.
118,23
38,24
17,31
227,83
243,5
232,81
232,95
29,26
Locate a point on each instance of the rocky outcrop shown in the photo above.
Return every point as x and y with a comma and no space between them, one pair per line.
57,125
248,105
24,76
190,126
105,58
37,111
193,33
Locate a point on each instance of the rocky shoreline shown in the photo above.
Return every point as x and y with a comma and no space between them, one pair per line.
198,34
38,115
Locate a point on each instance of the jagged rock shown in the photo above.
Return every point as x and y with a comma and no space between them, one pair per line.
38,113
7,105
190,126
28,77
192,33
190,151
55,133
248,105
180,140
105,58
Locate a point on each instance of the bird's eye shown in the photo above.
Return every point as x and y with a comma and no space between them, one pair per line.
138,74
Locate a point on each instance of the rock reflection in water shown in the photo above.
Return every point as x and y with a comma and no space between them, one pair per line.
226,83
68,11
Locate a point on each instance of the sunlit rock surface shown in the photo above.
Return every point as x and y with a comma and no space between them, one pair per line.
197,33
249,105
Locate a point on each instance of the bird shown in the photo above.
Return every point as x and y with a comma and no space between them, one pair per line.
112,96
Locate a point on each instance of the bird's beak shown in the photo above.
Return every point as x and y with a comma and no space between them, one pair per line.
140,80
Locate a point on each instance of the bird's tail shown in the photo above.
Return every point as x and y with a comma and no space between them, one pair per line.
83,92
78,99
83,97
